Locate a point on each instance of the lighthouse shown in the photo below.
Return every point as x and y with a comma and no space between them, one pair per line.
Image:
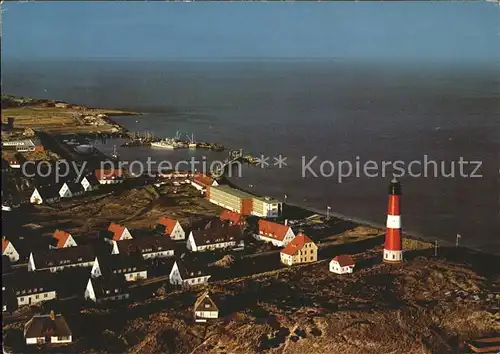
393,249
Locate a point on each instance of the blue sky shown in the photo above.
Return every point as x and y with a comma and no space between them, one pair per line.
159,30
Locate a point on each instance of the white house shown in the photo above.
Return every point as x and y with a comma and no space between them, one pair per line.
173,229
278,234
90,183
342,264
62,239
119,232
44,329
70,189
61,258
205,308
187,274
215,238
47,194
131,267
148,246
29,288
9,250
105,289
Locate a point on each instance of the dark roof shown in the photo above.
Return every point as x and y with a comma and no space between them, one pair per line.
114,262
344,260
109,283
217,224
75,187
145,244
43,325
6,265
189,268
29,282
215,235
49,191
203,300
5,164
48,176
63,256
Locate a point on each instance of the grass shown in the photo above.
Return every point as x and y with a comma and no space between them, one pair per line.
377,309
138,208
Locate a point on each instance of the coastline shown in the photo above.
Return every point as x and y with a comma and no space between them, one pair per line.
362,222
59,117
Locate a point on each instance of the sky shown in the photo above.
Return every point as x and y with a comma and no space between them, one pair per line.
230,30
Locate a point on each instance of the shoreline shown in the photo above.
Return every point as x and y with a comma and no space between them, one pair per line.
59,117
362,222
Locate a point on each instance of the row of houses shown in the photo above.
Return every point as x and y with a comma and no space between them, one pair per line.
24,145
53,328
52,193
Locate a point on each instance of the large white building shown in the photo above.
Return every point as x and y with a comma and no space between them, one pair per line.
242,202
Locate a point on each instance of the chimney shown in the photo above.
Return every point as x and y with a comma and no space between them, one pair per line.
52,315
286,222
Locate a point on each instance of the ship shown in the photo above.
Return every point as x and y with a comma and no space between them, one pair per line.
165,144
192,143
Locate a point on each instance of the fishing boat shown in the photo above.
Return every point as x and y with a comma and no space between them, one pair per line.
192,144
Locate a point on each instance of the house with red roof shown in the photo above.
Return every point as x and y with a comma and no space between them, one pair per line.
342,264
62,239
119,232
278,234
201,182
109,176
300,250
234,218
9,250
172,228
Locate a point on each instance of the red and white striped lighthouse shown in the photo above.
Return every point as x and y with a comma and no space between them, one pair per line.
393,249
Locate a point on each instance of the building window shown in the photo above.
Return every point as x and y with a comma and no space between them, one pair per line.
45,295
393,256
37,296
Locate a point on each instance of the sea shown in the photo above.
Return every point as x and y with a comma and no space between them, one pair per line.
318,117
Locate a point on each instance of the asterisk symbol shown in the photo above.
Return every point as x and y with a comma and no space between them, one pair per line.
280,161
262,161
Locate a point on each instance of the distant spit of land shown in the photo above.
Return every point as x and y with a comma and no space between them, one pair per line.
60,117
